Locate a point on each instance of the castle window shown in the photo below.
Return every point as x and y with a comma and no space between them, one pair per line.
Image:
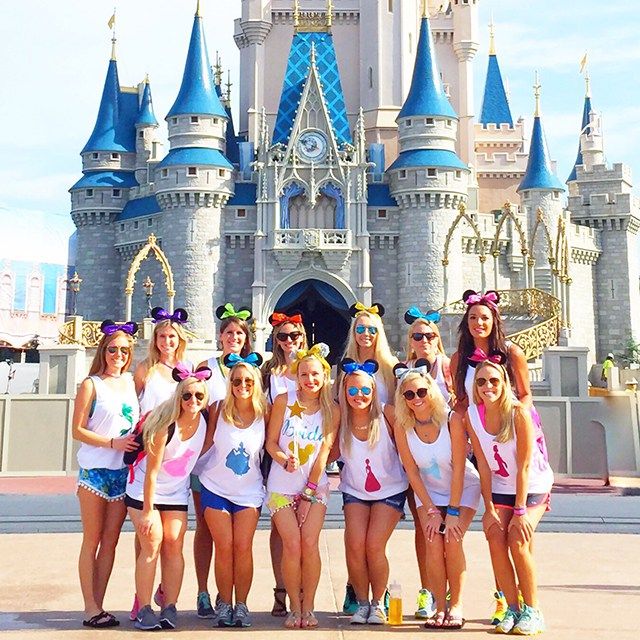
390,6
241,213
122,227
194,119
140,134
95,156
192,171
409,123
116,193
403,174
174,120
165,173
431,173
449,123
115,156
556,195
430,122
89,193
149,222
135,224
381,214
370,77
221,173
458,175
215,121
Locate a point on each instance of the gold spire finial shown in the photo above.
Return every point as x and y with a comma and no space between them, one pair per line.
198,14
425,11
329,13
296,14
587,82
536,92
492,40
112,26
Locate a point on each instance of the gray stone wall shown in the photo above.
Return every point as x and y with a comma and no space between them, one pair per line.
583,310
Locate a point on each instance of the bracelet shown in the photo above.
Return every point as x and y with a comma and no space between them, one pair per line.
519,511
433,510
307,492
312,485
111,444
453,511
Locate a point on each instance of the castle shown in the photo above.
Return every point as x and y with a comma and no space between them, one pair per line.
357,171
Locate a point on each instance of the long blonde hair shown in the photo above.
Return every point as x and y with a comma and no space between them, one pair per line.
505,403
99,362
375,413
326,399
278,364
405,417
382,352
258,402
433,327
153,356
169,411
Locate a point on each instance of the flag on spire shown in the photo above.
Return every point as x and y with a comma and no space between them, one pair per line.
583,62
112,20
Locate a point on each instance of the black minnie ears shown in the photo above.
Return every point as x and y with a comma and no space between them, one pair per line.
349,365
225,311
421,366
376,308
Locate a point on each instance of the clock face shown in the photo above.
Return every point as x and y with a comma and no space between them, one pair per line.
312,146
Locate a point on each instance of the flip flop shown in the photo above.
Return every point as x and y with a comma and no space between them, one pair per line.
437,622
309,620
453,621
293,621
101,620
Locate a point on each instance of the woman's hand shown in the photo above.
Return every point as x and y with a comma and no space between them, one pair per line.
144,527
490,519
125,443
293,464
523,527
432,525
453,528
302,511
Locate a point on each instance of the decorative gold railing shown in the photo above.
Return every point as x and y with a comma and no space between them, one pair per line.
534,340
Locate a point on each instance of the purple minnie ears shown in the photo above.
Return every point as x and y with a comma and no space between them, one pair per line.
182,372
349,365
109,327
179,315
421,366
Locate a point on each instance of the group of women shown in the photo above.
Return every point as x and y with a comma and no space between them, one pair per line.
239,434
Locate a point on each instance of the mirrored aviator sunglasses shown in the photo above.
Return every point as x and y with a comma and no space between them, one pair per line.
186,396
494,382
360,329
353,391
410,395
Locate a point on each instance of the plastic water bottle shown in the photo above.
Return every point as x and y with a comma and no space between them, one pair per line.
395,603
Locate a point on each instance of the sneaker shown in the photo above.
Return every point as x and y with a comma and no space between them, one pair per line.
147,620
135,608
377,615
333,468
169,617
508,622
500,607
241,617
158,597
426,605
350,604
361,615
385,600
205,610
223,615
530,622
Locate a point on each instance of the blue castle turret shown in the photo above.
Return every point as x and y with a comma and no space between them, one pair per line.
495,104
584,128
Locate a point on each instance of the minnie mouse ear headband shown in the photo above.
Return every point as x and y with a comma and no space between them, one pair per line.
159,315
489,299
319,351
358,308
421,366
414,313
226,311
232,359
349,365
277,318
109,327
479,356
181,372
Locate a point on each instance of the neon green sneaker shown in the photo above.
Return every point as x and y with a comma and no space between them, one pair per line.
426,605
500,609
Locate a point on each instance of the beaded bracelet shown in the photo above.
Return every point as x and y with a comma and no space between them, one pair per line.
309,493
433,510
453,511
111,444
519,511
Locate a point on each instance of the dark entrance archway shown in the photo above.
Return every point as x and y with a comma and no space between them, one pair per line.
324,311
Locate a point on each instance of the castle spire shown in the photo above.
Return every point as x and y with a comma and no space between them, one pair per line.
198,14
536,93
112,26
426,95
495,103
584,127
146,115
197,93
103,137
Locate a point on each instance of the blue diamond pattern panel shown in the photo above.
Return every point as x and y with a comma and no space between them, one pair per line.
295,78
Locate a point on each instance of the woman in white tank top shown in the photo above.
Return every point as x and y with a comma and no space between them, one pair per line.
232,486
105,411
516,480
446,486
373,485
158,495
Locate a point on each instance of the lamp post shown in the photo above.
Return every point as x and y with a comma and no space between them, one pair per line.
74,286
148,285
10,374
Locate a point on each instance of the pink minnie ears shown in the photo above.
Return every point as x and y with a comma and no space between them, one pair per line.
179,315
109,327
479,356
182,372
490,298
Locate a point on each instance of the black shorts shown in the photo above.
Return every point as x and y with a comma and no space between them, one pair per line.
508,500
139,505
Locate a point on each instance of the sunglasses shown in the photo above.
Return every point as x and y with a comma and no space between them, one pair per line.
421,393
494,382
419,337
123,350
238,382
353,391
293,336
186,396
360,329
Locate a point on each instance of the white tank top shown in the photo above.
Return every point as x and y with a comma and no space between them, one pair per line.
308,429
113,415
372,474
233,470
172,482
217,383
156,390
434,462
502,459
279,384
383,393
439,378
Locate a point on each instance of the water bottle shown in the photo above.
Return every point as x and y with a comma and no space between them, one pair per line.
395,603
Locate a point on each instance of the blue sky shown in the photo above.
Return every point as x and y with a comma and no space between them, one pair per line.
56,56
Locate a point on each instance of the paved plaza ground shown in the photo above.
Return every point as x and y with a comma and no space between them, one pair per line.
589,582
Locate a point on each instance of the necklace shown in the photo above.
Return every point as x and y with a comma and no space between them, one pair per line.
169,366
366,426
424,423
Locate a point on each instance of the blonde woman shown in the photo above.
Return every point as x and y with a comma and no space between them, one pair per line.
302,429
158,493
288,337
516,482
232,486
104,413
373,485
445,484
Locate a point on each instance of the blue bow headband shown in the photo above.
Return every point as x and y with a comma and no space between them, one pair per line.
401,370
159,315
348,365
253,359
414,313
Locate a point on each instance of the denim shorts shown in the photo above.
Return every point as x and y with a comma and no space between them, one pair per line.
211,500
109,484
508,500
395,502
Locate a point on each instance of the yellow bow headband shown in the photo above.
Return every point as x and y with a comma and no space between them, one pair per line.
358,308
319,351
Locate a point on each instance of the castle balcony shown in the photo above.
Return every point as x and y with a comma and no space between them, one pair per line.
334,245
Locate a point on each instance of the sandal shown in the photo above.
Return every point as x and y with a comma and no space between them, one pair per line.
309,620
293,621
279,609
437,622
101,620
453,620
